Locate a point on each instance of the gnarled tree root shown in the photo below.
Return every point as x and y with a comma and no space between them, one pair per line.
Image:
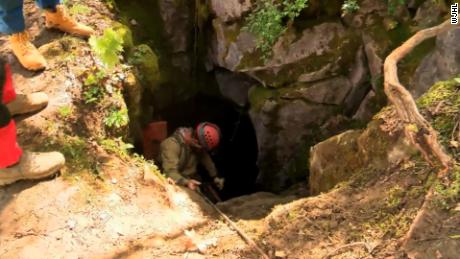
417,129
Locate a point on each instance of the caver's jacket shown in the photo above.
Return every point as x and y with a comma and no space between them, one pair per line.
179,160
9,149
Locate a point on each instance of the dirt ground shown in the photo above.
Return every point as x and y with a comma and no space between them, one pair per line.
80,215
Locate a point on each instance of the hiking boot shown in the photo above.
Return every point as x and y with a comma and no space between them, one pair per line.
27,103
62,21
32,166
26,52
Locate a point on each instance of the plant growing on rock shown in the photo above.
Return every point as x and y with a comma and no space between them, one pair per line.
269,21
108,47
117,118
350,6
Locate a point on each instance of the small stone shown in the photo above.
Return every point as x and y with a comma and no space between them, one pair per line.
133,22
71,224
280,254
114,181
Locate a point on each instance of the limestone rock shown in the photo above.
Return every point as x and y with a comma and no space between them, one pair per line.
360,85
178,23
367,108
332,161
336,159
234,87
443,63
230,10
329,91
282,129
430,13
313,54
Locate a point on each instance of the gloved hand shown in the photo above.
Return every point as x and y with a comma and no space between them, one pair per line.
219,182
193,184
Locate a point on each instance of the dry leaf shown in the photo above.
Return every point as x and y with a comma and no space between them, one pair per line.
454,144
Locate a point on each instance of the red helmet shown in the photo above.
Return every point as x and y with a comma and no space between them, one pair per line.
208,135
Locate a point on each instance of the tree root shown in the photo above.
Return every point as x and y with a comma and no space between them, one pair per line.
417,129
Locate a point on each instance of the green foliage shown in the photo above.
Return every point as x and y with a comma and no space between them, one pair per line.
117,118
350,6
92,94
268,21
108,47
93,89
110,3
65,111
117,146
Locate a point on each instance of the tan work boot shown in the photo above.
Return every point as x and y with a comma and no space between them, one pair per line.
62,21
32,166
25,51
27,103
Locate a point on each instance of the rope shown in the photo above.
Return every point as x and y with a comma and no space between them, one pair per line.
232,224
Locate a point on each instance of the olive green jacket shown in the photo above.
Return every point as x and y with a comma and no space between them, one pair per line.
179,161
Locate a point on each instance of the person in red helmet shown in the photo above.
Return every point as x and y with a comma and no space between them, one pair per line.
181,153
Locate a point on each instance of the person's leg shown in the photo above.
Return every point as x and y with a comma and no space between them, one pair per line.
12,23
11,16
9,149
57,17
21,103
14,164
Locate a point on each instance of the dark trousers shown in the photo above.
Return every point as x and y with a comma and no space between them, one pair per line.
12,15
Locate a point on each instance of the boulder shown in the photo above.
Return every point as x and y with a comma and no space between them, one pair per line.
233,86
313,54
145,61
338,158
443,63
282,129
328,91
367,108
230,10
177,16
430,13
359,80
325,169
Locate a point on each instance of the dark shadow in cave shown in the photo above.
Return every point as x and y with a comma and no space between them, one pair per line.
236,157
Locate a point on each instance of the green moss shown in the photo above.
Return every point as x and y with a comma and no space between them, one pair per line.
394,196
146,62
441,91
448,195
258,95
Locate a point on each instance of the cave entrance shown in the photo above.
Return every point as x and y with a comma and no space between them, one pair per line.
236,157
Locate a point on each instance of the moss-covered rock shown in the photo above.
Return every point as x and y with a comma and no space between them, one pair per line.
309,55
145,61
382,144
325,174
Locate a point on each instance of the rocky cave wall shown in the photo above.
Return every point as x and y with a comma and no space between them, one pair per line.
324,75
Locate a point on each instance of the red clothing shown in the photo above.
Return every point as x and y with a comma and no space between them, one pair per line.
10,152
8,89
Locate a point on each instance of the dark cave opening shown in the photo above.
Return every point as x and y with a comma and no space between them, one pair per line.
236,157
